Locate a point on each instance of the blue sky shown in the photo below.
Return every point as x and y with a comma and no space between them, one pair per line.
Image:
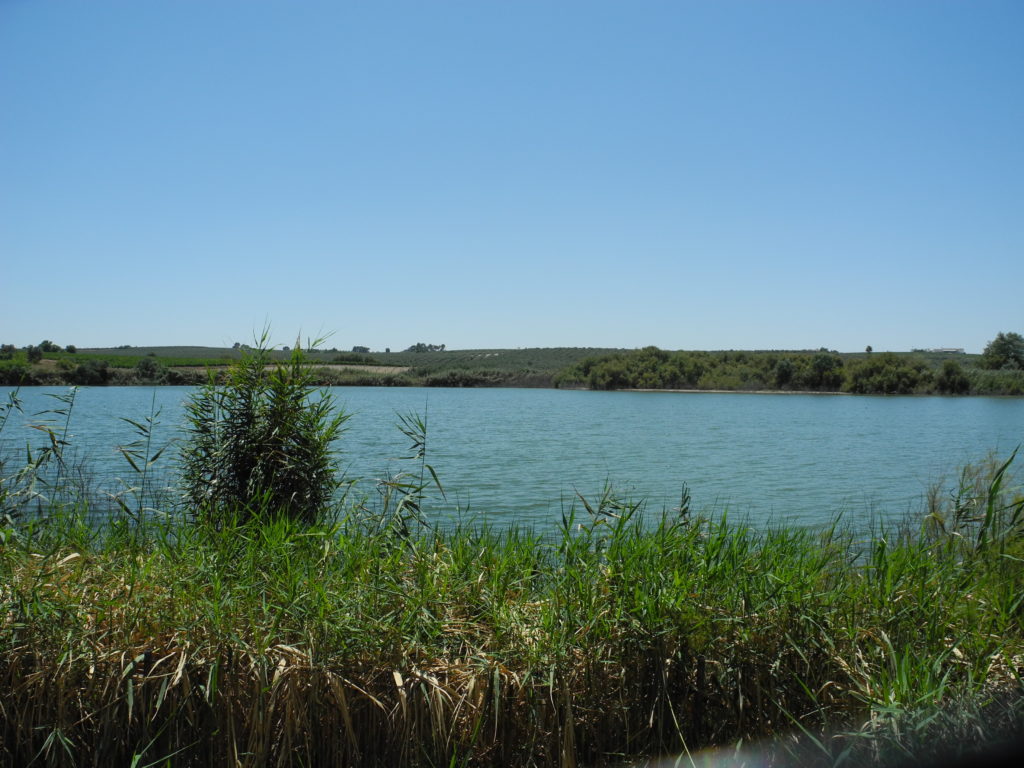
694,175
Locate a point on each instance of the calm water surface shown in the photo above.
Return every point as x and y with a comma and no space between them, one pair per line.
522,455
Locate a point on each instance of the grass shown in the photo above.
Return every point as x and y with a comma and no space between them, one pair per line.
192,353
131,361
540,359
377,640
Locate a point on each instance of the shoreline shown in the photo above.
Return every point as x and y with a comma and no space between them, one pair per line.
388,373
747,392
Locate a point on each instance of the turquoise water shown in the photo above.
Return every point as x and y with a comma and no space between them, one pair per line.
523,454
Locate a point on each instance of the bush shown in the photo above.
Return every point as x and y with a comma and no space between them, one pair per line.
15,375
952,379
150,370
260,444
888,374
91,373
1002,382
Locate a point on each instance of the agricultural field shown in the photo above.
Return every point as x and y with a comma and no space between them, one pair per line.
193,365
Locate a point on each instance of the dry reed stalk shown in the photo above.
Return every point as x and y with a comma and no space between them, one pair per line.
280,709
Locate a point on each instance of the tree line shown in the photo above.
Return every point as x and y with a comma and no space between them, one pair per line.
999,370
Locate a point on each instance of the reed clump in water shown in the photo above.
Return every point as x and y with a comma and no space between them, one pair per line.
377,640
261,443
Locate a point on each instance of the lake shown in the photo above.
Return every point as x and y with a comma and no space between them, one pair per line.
523,454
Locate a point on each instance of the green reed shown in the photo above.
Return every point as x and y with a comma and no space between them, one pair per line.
404,644
262,440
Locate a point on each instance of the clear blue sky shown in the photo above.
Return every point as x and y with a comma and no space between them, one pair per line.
696,175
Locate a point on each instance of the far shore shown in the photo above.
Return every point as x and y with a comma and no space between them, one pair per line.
738,391
921,372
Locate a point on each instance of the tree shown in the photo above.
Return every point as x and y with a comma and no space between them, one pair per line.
783,372
868,349
825,372
35,354
423,347
1006,350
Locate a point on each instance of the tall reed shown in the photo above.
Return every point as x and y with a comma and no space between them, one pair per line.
271,642
262,443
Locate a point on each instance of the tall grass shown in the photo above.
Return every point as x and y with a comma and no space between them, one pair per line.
375,640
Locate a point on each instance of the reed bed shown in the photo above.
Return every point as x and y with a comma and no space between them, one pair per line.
370,642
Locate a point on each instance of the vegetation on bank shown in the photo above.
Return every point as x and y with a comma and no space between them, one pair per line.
822,371
998,371
420,365
251,630
364,642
